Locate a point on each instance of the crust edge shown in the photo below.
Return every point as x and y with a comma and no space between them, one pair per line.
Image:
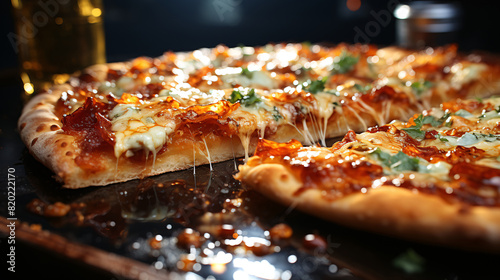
385,210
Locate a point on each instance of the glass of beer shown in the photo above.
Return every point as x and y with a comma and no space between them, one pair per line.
55,38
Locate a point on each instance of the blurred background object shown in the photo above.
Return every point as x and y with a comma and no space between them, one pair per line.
427,23
151,27
53,39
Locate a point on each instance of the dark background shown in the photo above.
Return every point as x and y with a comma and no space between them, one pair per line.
150,27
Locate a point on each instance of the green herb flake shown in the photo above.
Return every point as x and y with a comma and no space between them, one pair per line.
415,131
344,63
421,87
315,86
362,89
247,73
276,114
491,137
245,99
410,262
441,138
397,162
235,96
332,92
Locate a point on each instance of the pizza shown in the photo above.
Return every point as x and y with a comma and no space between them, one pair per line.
434,178
121,121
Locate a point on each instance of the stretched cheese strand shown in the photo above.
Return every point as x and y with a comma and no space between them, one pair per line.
209,158
361,120
245,141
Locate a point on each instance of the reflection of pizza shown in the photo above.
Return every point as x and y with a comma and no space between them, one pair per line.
435,178
122,121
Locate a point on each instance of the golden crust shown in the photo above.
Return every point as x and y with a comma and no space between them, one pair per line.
41,131
386,210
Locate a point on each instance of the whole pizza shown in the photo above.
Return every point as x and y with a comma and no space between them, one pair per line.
122,121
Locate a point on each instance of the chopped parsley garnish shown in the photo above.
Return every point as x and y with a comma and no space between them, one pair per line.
276,114
397,162
332,91
415,131
421,120
245,99
315,86
441,138
421,87
247,73
410,262
344,63
362,89
473,138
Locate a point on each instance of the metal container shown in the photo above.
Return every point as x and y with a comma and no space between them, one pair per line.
427,23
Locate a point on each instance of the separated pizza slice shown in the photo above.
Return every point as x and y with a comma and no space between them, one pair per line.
435,178
123,121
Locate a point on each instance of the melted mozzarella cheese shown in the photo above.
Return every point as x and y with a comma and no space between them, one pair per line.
463,74
135,128
259,79
188,96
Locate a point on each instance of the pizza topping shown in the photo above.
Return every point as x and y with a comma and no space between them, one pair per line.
89,124
471,106
463,73
344,63
476,184
139,107
416,131
341,172
398,162
459,167
315,86
246,99
419,87
268,148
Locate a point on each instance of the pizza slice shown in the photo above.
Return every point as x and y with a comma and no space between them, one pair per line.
435,178
123,121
